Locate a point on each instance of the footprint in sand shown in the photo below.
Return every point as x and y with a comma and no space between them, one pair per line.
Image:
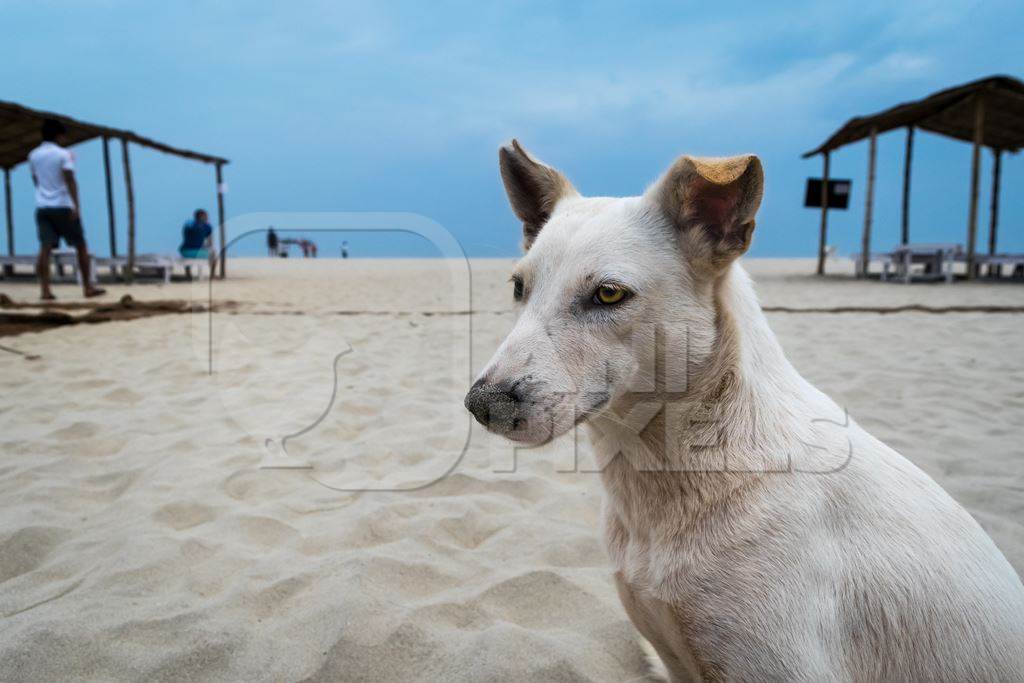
26,549
536,599
468,531
109,486
76,430
246,485
88,384
267,531
124,396
180,516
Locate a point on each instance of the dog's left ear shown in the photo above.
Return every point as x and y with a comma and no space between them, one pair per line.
533,188
713,201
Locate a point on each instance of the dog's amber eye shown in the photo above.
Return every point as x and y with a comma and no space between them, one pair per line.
606,295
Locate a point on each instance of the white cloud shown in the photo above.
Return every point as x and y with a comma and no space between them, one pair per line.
898,66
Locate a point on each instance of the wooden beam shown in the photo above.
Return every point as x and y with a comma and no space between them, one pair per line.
823,232
222,255
110,197
130,200
972,216
9,210
869,203
993,221
907,158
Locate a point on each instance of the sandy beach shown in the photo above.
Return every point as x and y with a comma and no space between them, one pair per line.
321,507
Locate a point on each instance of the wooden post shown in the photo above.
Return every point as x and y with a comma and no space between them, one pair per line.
993,218
110,197
9,210
907,158
972,217
869,202
130,200
993,223
824,215
222,255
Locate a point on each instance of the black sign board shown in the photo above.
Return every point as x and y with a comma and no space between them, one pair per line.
838,193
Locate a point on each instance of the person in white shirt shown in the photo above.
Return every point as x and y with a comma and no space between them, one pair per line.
57,207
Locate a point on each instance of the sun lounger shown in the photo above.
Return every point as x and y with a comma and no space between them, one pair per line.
61,259
885,257
899,263
937,259
193,267
995,263
68,258
9,263
162,266
115,264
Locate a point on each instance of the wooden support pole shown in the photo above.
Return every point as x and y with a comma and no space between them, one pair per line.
993,221
9,210
869,203
222,255
972,216
110,197
907,158
823,233
130,200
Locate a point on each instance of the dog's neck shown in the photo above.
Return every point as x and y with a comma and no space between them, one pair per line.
741,415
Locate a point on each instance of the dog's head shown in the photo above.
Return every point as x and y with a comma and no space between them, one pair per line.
606,285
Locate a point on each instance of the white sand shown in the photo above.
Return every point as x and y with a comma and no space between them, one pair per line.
140,537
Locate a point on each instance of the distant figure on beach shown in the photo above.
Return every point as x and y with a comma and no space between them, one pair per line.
344,250
271,242
57,207
197,238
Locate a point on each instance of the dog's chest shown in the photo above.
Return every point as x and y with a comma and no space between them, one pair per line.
641,555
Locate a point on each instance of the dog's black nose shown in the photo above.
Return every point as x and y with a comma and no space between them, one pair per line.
495,406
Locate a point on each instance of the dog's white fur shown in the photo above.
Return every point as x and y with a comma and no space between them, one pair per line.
757,533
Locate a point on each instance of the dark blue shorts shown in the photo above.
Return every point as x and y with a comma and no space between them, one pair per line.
55,225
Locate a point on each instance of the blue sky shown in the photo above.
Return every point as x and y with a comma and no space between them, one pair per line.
332,106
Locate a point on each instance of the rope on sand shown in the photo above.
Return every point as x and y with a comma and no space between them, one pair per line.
26,356
909,308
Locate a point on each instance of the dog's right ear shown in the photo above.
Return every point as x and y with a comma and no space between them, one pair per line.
533,188
712,202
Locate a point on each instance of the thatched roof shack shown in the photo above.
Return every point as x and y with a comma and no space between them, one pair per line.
20,134
987,113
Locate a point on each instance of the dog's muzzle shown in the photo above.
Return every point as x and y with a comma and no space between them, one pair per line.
496,406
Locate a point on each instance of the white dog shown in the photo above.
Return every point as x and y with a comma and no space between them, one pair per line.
757,533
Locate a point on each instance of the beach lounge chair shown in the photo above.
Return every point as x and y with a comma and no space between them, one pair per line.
145,265
937,259
885,257
61,259
115,264
196,259
199,265
68,258
995,263
9,263
162,266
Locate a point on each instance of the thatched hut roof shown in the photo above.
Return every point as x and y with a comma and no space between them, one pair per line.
19,135
948,112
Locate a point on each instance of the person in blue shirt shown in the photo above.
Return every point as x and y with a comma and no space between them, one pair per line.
197,238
